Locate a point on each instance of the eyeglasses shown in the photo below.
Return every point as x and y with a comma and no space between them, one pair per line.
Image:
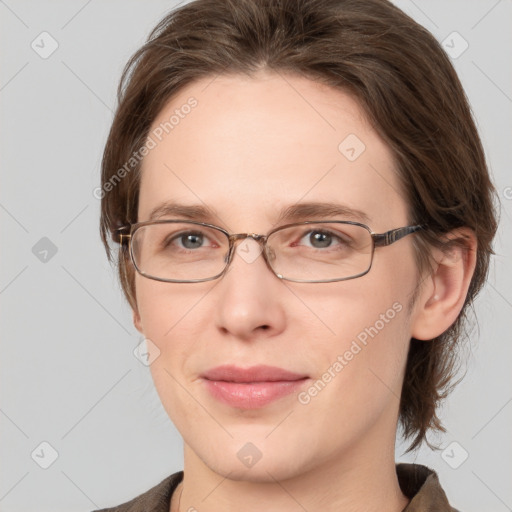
175,251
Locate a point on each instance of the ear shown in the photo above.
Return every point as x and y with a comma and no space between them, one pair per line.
444,290
137,322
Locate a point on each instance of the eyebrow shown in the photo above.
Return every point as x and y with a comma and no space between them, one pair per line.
320,210
293,213
191,212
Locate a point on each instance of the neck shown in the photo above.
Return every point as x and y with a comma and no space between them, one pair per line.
350,481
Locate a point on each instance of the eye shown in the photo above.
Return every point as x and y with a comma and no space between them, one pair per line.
187,240
321,239
191,240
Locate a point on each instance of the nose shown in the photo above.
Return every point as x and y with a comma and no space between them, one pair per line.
250,296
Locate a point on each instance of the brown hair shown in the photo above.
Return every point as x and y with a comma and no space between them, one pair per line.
402,80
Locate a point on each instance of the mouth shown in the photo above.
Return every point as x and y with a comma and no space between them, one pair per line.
251,388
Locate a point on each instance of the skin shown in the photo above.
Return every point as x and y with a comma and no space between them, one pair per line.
251,147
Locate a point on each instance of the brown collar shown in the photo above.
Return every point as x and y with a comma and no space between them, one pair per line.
421,485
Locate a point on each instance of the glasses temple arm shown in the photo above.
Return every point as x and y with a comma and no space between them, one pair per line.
392,236
121,235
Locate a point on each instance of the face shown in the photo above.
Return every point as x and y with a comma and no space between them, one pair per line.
248,149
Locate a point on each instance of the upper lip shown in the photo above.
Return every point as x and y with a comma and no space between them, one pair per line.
261,373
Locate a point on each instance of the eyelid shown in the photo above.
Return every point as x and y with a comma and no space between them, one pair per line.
203,231
329,231
320,226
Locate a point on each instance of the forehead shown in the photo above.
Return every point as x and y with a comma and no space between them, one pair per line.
249,147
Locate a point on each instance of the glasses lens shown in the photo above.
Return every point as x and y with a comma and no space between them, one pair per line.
323,251
179,251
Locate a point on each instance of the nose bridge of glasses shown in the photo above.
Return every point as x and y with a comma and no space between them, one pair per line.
247,254
242,236
260,239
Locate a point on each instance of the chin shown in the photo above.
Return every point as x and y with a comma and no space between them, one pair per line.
261,472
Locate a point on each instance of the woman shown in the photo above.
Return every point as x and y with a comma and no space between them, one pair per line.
333,138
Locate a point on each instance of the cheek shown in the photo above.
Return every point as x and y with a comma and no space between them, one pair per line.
369,330
174,318
362,333
171,319
359,368
164,307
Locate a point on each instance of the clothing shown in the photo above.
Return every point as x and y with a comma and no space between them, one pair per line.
419,483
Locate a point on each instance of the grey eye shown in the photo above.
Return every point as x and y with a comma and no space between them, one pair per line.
191,240
319,239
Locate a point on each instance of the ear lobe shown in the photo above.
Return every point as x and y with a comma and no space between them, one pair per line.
444,292
137,322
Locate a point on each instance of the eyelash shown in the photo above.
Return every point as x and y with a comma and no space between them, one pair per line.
179,236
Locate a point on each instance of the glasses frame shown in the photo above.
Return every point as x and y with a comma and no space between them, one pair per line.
124,235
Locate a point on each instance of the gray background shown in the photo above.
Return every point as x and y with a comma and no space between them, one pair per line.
68,374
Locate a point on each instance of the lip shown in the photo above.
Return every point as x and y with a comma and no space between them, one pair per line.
260,373
251,388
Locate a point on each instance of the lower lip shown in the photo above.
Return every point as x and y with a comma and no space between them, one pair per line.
253,395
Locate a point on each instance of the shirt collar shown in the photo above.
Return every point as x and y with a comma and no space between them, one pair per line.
421,485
